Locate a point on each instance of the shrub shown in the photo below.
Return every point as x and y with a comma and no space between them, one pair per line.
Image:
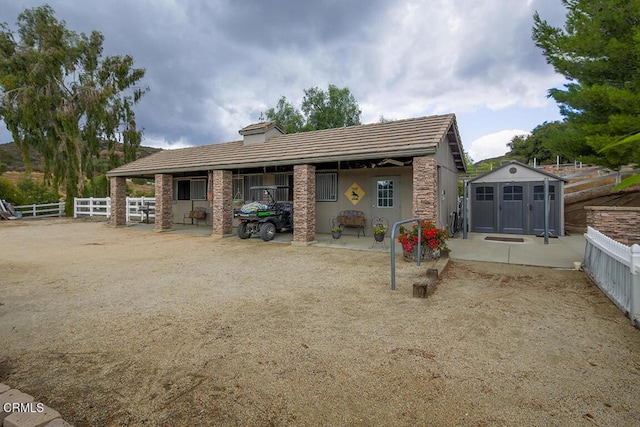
35,193
98,186
9,192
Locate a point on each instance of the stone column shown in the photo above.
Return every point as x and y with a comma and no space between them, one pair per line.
118,192
222,203
164,202
304,203
425,188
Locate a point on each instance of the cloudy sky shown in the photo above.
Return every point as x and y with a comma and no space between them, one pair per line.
214,65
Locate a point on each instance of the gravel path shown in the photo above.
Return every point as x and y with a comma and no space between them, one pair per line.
121,327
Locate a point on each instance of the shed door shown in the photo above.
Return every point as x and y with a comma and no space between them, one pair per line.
512,218
537,208
483,208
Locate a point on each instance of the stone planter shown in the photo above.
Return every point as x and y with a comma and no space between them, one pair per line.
427,254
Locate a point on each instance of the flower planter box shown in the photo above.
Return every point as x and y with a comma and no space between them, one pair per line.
427,254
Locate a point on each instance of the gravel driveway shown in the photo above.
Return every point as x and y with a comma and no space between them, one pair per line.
122,327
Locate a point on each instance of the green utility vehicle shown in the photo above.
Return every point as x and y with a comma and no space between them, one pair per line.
264,216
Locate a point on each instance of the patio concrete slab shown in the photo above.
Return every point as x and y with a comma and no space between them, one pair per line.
560,252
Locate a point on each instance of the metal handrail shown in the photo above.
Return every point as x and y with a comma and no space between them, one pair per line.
393,247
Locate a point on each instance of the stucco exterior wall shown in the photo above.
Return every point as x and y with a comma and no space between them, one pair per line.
364,178
448,184
182,207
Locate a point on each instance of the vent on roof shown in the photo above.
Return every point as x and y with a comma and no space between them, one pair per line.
259,133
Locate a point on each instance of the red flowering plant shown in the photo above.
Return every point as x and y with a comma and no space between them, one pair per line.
431,237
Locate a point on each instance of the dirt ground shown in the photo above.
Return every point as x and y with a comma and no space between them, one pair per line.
116,327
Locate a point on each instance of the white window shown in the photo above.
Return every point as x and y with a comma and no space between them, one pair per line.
385,193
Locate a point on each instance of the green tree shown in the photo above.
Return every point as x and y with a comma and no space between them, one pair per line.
633,140
521,149
287,115
598,51
548,141
331,109
59,95
320,110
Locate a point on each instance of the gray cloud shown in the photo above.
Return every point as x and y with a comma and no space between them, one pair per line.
214,66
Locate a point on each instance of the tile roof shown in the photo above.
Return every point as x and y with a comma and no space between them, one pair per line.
411,137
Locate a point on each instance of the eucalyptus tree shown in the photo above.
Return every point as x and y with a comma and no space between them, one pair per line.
61,96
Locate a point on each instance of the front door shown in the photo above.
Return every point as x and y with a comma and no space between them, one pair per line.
512,214
385,200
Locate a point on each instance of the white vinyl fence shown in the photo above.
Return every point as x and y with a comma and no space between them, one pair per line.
615,268
40,211
91,206
137,207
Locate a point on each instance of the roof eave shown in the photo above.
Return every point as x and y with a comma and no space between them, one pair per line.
284,162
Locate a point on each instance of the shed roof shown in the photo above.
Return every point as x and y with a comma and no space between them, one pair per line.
515,162
411,137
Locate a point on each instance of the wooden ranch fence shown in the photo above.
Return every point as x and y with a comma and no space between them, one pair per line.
615,269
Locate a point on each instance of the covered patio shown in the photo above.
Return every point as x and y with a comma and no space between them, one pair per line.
561,252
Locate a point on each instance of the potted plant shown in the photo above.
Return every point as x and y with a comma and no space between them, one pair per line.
432,239
379,231
238,200
336,231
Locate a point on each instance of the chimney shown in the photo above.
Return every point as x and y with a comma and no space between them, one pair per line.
259,133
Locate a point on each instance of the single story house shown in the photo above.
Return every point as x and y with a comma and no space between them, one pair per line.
396,170
510,200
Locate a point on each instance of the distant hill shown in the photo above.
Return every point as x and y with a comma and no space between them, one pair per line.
11,156
485,165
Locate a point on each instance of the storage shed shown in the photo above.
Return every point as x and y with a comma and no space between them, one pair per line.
510,200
